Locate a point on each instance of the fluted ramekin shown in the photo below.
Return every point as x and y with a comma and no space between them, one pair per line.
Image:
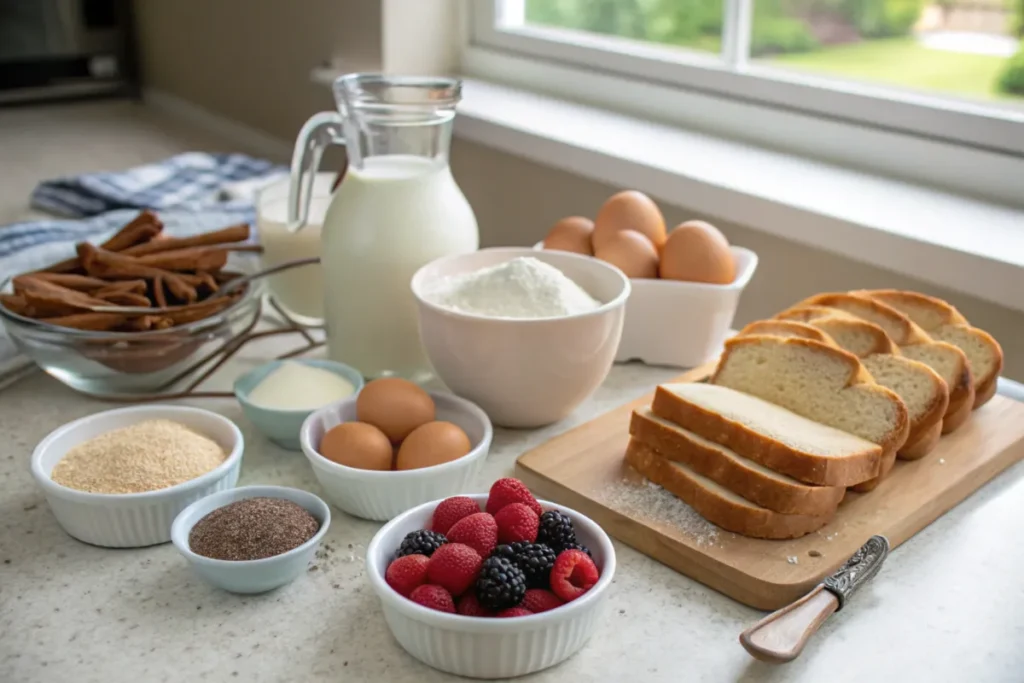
132,520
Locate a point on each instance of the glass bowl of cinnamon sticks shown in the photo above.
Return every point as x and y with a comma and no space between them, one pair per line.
136,313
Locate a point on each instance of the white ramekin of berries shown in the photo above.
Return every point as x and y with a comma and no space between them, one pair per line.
491,585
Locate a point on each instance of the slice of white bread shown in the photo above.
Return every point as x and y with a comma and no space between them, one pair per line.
786,328
717,504
769,434
913,342
853,334
821,383
742,476
922,390
944,323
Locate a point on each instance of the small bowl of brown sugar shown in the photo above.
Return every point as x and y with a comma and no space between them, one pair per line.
119,478
252,539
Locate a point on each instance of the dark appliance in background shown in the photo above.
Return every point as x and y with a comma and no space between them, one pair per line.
65,49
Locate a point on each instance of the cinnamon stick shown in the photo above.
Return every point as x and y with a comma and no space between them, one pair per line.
140,229
15,303
107,264
126,299
121,286
235,233
81,283
159,298
192,258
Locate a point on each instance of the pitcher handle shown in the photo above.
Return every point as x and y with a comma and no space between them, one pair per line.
319,131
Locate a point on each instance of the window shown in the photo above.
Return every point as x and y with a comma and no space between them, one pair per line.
946,71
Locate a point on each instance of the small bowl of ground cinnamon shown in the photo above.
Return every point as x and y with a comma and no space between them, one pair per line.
252,539
119,478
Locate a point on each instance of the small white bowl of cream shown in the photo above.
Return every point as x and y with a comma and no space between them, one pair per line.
278,396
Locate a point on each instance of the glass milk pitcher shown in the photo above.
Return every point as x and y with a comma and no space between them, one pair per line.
397,208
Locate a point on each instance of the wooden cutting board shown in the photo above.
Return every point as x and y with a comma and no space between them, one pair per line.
584,469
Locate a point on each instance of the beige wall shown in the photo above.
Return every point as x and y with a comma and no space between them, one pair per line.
249,60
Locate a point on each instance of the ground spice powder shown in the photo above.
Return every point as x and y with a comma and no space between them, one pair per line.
252,529
146,456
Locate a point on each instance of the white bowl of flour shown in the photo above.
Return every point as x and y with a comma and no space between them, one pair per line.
526,335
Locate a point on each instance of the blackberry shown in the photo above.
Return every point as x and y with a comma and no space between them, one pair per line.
501,584
577,546
422,542
536,561
556,531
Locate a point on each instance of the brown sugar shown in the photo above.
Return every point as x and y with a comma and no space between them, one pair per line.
147,456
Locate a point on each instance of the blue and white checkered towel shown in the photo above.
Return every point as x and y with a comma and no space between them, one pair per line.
193,180
193,193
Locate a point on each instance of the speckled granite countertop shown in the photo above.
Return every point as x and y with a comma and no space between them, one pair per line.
948,606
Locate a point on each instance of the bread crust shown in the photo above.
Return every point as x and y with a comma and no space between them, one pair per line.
858,376
923,445
955,420
786,328
747,520
899,298
806,467
774,493
899,327
931,419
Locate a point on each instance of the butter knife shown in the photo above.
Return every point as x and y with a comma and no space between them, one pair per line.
781,636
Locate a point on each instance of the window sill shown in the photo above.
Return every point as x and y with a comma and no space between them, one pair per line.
968,245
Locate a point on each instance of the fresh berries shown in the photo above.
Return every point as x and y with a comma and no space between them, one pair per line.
517,522
434,597
513,612
479,531
407,573
454,566
556,531
533,559
538,600
469,606
573,575
451,510
422,542
501,583
577,546
507,491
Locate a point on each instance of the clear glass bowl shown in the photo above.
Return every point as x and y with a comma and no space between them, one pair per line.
127,362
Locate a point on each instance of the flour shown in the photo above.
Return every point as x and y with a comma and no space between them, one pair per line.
524,287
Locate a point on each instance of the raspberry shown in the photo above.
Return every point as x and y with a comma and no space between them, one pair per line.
469,606
479,531
508,490
407,573
451,510
538,600
517,522
454,566
573,575
422,542
556,531
514,612
434,597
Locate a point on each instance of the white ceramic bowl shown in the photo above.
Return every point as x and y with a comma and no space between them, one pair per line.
251,576
489,648
698,322
132,520
377,495
523,372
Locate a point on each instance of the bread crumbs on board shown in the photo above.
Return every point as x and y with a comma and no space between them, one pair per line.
648,501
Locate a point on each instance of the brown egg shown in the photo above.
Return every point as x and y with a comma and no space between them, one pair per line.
697,252
571,234
630,210
432,444
395,406
357,444
630,252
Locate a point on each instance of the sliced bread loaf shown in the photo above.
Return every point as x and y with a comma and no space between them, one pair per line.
821,383
716,503
944,323
923,392
910,339
742,476
769,434
786,328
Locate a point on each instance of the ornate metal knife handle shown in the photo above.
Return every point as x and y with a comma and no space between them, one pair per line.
858,570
